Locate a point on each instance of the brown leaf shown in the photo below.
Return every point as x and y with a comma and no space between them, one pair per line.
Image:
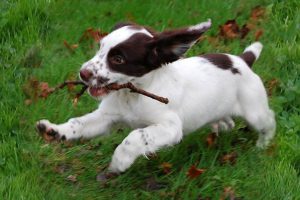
166,167
44,89
90,33
72,178
28,102
228,192
272,84
211,139
60,169
194,172
70,47
229,158
97,35
31,88
258,34
229,30
257,13
244,31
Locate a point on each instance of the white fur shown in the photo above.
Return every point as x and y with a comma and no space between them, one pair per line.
201,26
199,93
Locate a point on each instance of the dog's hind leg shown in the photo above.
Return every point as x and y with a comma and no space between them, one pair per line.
256,111
145,141
264,123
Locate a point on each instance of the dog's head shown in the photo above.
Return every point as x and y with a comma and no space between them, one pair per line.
131,51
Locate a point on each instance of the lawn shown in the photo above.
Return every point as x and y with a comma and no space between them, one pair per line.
32,50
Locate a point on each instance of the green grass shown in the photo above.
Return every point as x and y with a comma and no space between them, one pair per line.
32,34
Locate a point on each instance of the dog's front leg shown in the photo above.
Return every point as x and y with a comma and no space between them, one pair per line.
87,126
146,140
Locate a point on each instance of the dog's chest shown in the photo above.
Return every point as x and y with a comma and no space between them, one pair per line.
134,112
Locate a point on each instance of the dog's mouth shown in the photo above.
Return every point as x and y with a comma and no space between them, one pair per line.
100,91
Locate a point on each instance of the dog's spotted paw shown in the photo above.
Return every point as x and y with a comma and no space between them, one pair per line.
48,131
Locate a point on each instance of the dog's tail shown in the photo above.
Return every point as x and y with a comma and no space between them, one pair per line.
252,53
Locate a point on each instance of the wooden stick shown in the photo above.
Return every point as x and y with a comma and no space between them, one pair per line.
113,86
134,89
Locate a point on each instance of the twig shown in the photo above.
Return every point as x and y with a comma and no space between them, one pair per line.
134,89
113,86
64,84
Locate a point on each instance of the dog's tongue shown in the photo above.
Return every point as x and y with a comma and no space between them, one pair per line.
96,92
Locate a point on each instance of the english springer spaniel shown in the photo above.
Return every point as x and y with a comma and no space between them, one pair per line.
205,89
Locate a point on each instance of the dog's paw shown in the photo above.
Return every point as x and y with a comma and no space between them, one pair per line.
225,124
48,131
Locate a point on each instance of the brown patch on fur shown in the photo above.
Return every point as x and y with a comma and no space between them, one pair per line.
141,53
135,51
248,57
222,61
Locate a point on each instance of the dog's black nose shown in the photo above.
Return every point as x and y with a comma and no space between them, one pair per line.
85,74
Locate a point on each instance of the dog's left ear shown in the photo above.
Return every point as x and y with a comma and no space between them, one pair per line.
169,46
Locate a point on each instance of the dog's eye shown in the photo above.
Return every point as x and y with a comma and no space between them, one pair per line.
117,60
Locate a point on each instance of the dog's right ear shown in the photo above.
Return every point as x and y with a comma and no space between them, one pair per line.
169,46
122,24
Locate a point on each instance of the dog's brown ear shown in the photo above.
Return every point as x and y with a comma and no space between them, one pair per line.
169,46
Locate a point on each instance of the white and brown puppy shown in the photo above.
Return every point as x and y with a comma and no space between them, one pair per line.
201,90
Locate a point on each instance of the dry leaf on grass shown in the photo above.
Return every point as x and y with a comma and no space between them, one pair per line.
72,178
258,34
229,30
166,167
229,158
257,13
91,33
194,172
272,85
228,193
211,139
70,47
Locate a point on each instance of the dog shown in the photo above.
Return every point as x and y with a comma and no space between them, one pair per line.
205,89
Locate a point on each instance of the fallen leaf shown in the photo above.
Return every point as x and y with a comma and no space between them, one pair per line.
211,139
229,158
90,33
244,31
166,167
70,47
72,178
44,89
257,13
28,102
258,34
228,193
60,169
229,30
272,84
194,172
